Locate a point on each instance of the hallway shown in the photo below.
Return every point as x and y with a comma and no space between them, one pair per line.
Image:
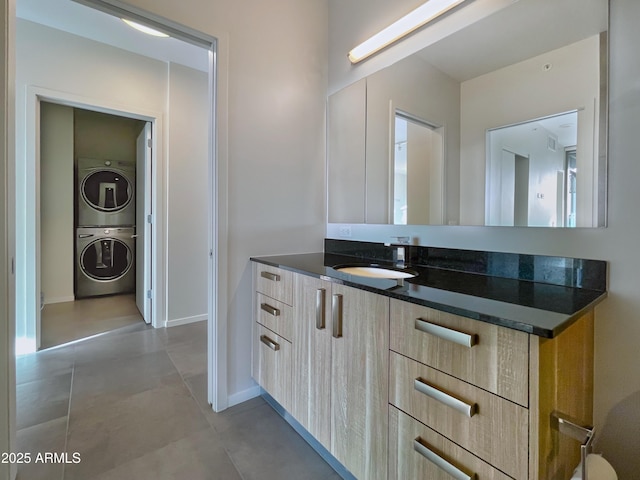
132,403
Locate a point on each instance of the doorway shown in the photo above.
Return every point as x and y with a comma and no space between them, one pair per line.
160,203
417,171
95,195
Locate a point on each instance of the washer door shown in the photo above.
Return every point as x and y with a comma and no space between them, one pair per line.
106,259
106,190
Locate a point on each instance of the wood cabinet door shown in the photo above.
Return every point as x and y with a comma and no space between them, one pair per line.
311,362
272,364
360,381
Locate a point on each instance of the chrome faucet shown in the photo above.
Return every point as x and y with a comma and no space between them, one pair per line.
399,254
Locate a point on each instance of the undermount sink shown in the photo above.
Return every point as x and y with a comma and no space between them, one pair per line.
376,272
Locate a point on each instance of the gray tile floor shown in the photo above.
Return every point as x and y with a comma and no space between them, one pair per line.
132,403
68,321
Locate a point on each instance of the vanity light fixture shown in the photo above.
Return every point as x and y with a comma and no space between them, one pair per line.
145,29
407,24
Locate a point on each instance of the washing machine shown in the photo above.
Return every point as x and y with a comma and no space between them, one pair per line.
105,261
106,192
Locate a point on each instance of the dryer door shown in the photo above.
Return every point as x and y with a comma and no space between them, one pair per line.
106,190
106,259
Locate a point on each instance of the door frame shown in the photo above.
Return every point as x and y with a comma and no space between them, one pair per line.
31,270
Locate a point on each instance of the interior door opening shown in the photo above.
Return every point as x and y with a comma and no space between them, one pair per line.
95,191
215,201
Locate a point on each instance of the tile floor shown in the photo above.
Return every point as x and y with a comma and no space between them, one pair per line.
132,403
68,321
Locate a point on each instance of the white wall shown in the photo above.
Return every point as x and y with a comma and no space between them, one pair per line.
56,203
617,329
495,100
544,164
272,82
187,198
58,62
403,87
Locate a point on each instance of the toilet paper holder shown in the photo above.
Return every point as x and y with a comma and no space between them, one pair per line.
573,429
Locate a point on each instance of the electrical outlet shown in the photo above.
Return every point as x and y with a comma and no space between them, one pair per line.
345,231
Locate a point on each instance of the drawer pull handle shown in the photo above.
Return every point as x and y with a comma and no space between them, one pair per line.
270,276
269,343
461,338
320,297
438,461
269,309
465,408
336,315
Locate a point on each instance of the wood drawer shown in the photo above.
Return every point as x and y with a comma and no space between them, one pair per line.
274,282
497,431
407,462
272,364
274,315
498,362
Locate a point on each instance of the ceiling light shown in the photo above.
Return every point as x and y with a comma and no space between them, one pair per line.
407,24
144,29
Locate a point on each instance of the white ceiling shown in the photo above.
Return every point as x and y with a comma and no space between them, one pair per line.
71,17
523,30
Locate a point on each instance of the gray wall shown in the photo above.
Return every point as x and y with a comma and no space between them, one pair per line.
617,375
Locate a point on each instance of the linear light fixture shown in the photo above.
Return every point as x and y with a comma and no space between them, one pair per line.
145,29
407,24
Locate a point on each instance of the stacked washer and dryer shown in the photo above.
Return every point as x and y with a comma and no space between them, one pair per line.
105,233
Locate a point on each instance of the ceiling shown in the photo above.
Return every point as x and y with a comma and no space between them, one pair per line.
523,30
71,17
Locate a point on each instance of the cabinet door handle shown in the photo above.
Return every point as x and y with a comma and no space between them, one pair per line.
461,338
320,298
420,447
336,315
468,409
270,276
269,309
269,343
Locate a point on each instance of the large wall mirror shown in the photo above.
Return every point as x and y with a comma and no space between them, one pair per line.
501,123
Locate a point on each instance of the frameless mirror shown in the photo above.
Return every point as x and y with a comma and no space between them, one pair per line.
500,123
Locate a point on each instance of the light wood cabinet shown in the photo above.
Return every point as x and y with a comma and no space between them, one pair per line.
397,390
415,450
510,382
272,331
359,381
491,357
311,402
274,282
272,364
490,426
340,372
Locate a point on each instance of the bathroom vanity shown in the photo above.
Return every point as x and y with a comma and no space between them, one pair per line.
453,373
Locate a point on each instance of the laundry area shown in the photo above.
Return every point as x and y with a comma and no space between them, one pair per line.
90,175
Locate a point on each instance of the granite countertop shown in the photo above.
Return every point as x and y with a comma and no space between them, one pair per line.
538,308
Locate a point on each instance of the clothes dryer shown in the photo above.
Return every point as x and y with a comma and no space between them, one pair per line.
105,261
106,192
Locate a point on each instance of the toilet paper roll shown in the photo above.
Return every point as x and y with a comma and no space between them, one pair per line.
597,469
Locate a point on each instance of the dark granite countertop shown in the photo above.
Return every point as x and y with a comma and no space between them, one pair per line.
534,307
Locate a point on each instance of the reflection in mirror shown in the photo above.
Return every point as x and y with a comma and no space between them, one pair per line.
532,169
417,171
530,60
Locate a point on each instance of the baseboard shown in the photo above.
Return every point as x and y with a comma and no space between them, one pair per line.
185,320
48,301
244,395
